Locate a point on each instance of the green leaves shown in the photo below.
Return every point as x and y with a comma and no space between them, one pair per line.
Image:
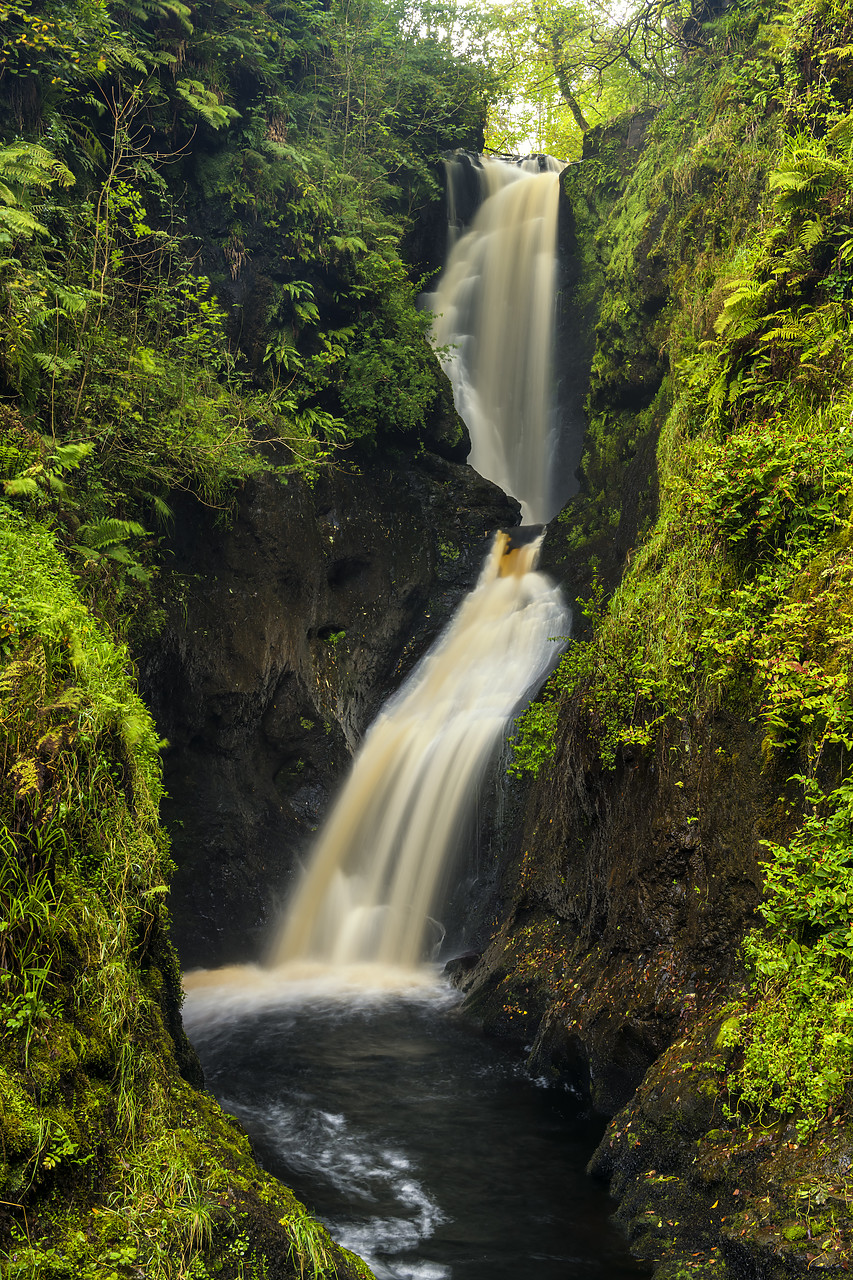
810,169
24,165
47,475
108,538
206,104
809,884
797,1036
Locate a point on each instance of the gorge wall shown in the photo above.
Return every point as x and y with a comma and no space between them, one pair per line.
159,168
632,867
668,928
666,764
287,629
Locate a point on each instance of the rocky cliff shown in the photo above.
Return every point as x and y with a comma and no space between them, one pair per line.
664,939
287,629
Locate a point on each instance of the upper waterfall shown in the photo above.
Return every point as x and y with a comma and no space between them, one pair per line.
494,323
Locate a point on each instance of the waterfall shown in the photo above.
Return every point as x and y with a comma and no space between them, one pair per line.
376,872
494,320
375,875
377,868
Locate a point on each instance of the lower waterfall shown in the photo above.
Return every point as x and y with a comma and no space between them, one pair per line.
376,872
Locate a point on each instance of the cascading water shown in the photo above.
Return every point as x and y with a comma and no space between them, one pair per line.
377,1107
377,867
494,318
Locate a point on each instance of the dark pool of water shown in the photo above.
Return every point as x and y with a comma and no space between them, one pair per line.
421,1145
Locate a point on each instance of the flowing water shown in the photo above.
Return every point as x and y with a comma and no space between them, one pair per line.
422,1146
385,852
495,312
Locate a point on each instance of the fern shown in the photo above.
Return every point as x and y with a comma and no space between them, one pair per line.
744,310
841,134
23,165
21,487
54,364
809,170
120,56
17,223
45,476
787,333
107,539
812,234
205,103
29,164
108,532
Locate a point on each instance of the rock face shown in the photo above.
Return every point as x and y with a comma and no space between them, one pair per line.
611,361
624,905
286,631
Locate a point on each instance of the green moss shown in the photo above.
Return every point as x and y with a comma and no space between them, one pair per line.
720,390
111,1162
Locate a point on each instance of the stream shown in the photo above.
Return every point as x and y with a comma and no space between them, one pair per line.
421,1145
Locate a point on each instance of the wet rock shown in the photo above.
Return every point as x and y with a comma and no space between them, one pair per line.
642,884
459,965
703,1193
286,631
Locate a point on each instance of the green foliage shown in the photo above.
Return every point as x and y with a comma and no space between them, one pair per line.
310,1246
562,70
316,131
387,376
109,1160
149,152
569,64
740,595
24,165
796,1034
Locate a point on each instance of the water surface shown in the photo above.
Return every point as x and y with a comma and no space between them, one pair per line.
421,1145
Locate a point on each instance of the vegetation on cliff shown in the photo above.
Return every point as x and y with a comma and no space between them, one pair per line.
725,268
159,161
154,157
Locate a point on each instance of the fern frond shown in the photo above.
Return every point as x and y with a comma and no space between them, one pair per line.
120,56
205,103
791,333
841,134
17,222
21,487
787,180
744,309
55,364
108,532
71,454
29,164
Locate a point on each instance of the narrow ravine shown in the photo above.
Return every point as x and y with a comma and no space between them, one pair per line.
422,1146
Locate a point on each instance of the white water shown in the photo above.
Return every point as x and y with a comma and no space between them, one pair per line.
495,309
376,871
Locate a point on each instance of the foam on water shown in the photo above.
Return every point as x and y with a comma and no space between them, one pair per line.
215,996
422,1147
